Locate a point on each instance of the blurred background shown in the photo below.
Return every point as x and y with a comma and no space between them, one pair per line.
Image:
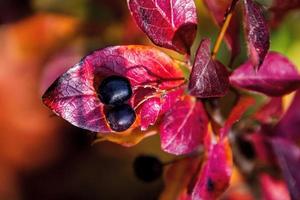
41,155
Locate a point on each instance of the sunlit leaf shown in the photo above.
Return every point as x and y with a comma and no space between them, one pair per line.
150,112
73,95
155,106
209,78
257,33
276,77
215,174
168,23
183,127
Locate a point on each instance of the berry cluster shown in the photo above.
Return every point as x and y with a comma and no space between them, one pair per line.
114,91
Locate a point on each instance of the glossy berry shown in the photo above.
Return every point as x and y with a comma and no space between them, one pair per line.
147,168
120,117
114,90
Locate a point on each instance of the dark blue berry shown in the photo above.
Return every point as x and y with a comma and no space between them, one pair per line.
147,168
120,117
114,90
246,148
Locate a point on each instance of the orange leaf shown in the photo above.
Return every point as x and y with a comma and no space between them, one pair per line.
127,138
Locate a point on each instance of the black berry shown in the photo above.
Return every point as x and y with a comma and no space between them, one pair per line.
147,168
120,117
114,90
246,148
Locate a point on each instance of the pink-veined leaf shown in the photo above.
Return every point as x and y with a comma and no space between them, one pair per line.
215,174
289,125
73,95
288,158
273,189
277,76
209,78
236,113
257,33
168,23
155,104
218,10
149,112
184,126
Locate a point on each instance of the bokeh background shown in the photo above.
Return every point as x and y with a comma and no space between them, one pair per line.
41,155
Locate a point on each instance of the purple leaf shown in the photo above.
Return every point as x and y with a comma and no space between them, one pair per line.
73,96
183,127
276,77
209,78
218,9
289,125
215,174
288,158
168,23
257,33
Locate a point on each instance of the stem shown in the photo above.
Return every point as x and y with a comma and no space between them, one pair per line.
228,16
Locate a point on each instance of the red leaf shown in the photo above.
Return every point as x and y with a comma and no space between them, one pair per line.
257,32
288,157
215,175
170,98
73,95
168,23
218,9
153,104
236,113
209,78
183,127
150,112
273,189
289,125
269,111
276,77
